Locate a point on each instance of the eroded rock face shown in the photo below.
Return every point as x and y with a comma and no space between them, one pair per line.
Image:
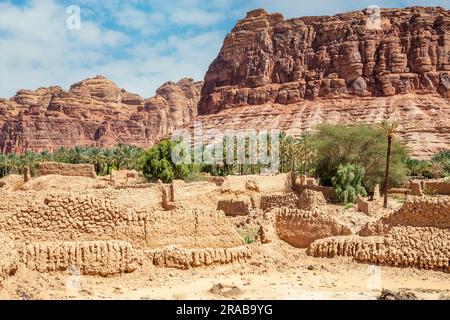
94,112
268,59
297,73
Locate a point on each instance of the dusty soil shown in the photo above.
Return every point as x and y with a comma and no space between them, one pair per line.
275,270
284,273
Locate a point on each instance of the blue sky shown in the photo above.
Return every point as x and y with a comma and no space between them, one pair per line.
138,44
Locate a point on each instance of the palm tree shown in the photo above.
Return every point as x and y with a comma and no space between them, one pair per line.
95,157
388,128
108,156
45,156
292,151
61,155
282,139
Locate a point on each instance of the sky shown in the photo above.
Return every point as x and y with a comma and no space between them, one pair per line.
138,44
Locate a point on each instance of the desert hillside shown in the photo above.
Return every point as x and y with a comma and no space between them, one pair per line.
287,74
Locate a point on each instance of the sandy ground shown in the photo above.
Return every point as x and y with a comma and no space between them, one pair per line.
277,271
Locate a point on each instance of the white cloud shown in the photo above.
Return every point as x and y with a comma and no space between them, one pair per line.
195,16
37,49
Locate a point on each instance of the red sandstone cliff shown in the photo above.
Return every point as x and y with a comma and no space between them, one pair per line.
93,112
270,73
294,74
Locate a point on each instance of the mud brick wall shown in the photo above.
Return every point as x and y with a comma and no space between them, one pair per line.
436,187
89,257
300,228
62,218
235,207
427,248
422,212
66,169
191,228
272,201
8,257
189,258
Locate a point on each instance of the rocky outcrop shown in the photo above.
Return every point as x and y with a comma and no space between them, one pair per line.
269,69
94,112
268,59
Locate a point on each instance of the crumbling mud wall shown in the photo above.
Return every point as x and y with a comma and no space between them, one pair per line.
100,237
66,169
235,207
63,218
310,200
88,257
191,228
300,228
280,183
436,187
188,258
416,235
422,211
402,246
272,201
8,257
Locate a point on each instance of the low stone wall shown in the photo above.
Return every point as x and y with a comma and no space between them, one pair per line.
272,201
8,257
327,192
300,228
436,187
235,207
65,218
403,246
368,207
66,169
88,257
191,229
422,211
311,200
280,183
190,258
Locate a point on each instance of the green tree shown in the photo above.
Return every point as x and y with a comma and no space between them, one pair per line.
443,157
360,145
158,163
347,184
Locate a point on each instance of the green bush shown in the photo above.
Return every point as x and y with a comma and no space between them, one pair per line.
157,163
347,183
360,145
443,158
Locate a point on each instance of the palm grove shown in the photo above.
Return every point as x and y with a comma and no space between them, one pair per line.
351,159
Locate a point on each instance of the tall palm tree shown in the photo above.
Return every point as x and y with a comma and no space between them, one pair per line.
282,138
388,128
292,151
45,156
95,157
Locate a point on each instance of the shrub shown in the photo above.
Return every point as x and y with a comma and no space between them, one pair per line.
347,183
158,163
360,145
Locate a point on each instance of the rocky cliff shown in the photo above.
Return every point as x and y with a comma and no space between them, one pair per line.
270,73
93,112
294,74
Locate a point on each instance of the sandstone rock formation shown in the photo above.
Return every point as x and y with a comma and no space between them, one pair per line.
270,69
93,112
